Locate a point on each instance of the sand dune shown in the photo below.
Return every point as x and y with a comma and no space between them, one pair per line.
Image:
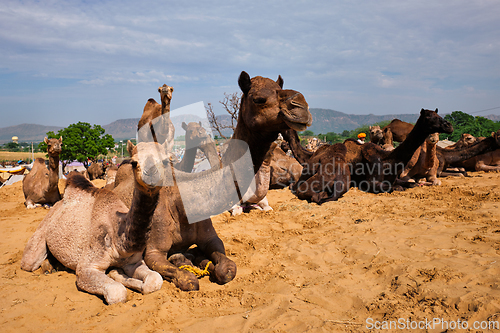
411,256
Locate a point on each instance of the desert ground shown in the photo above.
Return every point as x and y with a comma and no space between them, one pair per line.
429,253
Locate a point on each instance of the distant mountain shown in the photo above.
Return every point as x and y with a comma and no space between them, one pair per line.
324,121
26,132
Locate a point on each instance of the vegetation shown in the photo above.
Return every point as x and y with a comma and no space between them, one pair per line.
81,142
466,123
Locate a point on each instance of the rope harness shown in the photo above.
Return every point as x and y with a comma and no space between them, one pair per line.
197,271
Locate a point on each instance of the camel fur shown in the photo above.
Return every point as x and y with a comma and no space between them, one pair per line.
400,129
376,134
285,170
91,230
40,186
197,138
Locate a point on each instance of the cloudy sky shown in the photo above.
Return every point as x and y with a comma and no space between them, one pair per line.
98,61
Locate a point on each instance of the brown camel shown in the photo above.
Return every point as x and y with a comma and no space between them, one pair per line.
400,129
489,161
376,134
424,162
197,138
157,118
96,171
453,157
40,186
91,230
387,142
464,141
266,109
325,175
285,170
376,170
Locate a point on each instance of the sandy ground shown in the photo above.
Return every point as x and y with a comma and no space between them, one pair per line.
410,256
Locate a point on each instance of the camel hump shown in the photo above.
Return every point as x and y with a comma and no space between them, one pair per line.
77,180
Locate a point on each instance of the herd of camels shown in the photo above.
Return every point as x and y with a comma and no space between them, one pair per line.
135,233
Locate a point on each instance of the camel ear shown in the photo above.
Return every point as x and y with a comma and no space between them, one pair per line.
46,140
422,111
280,81
172,89
184,126
60,139
436,110
130,147
200,124
159,90
244,82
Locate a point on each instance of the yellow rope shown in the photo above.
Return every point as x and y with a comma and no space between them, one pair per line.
197,271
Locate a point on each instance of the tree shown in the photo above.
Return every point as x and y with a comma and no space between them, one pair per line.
231,104
12,146
81,142
465,123
307,133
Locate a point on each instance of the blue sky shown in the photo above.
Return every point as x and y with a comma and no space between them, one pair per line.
98,61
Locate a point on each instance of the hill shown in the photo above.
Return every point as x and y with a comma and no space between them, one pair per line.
26,132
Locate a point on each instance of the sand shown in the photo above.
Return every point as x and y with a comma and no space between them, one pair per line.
425,254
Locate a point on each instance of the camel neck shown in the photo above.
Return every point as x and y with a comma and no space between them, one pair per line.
54,166
187,162
407,148
138,219
301,154
430,154
462,154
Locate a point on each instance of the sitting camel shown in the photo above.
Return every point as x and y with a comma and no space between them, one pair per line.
266,109
424,162
376,170
96,170
454,157
464,141
40,186
91,230
197,138
325,175
387,141
285,170
400,129
160,127
489,161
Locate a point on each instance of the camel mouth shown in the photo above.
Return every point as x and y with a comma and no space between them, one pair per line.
298,126
297,119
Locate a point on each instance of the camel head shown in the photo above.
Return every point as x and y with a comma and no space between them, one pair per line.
53,146
434,123
432,138
496,136
376,133
267,107
165,94
196,135
150,164
467,139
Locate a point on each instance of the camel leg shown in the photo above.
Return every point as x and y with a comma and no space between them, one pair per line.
35,251
482,166
264,204
157,261
213,247
97,282
151,280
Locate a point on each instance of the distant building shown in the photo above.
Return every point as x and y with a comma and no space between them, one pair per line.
15,139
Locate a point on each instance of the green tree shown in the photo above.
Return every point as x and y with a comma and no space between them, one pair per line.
12,146
81,142
307,133
466,123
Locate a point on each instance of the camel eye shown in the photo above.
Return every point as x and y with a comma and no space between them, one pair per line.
134,164
259,100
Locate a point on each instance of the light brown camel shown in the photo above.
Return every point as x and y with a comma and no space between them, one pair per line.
400,129
489,161
376,134
160,127
376,170
197,138
266,109
110,177
464,141
40,186
325,175
91,230
453,157
285,170
96,170
387,142
424,162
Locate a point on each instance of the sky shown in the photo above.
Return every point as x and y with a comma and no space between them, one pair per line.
62,62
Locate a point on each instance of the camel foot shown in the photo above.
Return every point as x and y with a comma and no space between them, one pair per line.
225,272
47,267
184,280
153,282
115,293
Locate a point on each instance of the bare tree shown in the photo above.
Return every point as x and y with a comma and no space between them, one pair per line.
231,104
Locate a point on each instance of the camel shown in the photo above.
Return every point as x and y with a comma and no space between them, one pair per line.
285,170
376,134
40,186
91,230
197,138
387,142
325,175
376,170
400,129
464,141
424,162
96,171
110,177
489,161
454,157
160,127
266,109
